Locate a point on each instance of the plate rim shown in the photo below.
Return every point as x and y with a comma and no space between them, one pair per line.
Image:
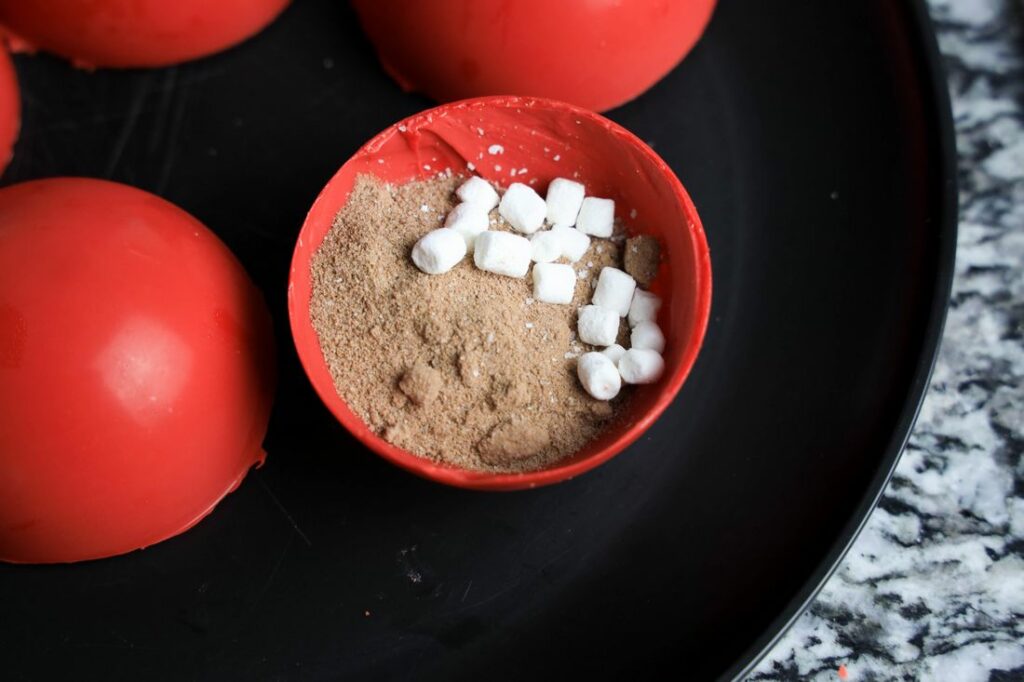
936,99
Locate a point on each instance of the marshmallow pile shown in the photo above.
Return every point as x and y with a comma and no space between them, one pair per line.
617,296
573,218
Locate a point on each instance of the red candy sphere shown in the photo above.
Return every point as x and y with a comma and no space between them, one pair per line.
136,370
597,55
10,108
128,33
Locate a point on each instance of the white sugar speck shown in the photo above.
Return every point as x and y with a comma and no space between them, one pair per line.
470,165
557,157
495,149
425,208
497,168
402,129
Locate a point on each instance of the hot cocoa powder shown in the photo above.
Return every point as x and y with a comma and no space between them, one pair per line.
465,367
641,257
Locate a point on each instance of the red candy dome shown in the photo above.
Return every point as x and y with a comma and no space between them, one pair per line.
136,370
128,33
596,55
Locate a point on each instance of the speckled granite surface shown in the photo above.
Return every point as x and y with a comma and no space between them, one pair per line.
933,589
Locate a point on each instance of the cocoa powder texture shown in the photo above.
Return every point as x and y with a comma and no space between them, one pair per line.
463,368
641,257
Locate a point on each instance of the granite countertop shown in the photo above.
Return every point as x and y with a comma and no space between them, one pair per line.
933,588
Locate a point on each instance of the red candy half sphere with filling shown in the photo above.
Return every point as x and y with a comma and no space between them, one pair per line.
546,140
130,33
136,370
595,54
10,107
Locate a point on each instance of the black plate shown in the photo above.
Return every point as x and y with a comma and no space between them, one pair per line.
815,139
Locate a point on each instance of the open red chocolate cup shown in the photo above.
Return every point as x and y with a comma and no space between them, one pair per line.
549,139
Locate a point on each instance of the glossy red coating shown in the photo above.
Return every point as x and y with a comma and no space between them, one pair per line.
136,370
10,107
131,33
596,54
549,139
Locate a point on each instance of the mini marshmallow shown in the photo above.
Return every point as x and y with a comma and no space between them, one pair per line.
502,253
546,246
614,291
614,352
596,217
438,251
597,326
564,200
523,208
647,335
554,283
574,242
478,191
469,220
641,366
599,376
644,307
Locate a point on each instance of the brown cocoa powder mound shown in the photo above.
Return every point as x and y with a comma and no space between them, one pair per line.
641,258
495,371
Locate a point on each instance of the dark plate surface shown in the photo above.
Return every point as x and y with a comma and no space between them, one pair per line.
815,141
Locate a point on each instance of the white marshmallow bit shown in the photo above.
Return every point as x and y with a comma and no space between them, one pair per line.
597,326
546,246
614,352
598,375
502,253
523,208
438,251
554,283
647,335
596,217
574,242
644,307
469,220
564,200
614,291
641,366
478,191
